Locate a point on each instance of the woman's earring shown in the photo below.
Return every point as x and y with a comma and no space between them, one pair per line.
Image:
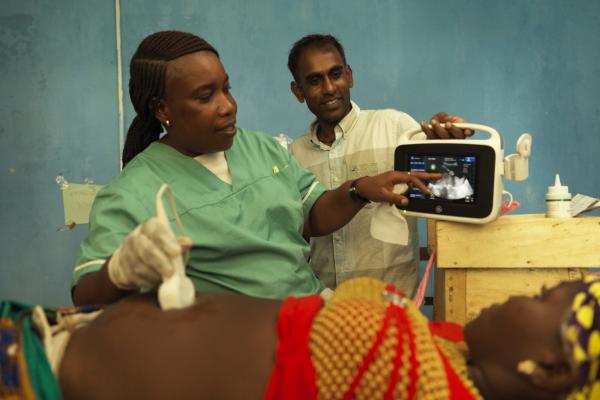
168,123
527,367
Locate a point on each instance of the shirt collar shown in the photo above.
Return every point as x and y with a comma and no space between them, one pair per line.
341,129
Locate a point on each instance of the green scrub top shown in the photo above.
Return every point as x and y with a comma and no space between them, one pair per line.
247,236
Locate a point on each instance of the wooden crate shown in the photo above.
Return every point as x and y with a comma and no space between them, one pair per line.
479,265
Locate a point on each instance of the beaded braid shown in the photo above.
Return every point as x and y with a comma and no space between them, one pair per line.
147,83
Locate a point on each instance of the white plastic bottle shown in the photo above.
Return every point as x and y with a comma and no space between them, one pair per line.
558,200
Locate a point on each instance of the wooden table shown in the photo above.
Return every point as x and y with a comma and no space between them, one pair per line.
479,265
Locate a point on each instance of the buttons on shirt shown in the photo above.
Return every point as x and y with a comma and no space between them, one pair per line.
337,238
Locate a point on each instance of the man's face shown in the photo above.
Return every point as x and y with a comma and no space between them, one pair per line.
324,82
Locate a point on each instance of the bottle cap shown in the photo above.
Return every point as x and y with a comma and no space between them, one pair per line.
558,191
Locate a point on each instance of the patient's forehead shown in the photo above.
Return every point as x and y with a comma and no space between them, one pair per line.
552,302
522,322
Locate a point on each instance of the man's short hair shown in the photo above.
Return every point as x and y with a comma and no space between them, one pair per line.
326,42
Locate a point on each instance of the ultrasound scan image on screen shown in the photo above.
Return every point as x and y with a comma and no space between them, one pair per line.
458,182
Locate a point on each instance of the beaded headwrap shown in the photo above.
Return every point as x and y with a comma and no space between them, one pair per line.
582,334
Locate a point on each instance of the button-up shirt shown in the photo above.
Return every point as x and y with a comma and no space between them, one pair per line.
365,141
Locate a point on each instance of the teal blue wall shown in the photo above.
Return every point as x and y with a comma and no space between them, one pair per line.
519,66
58,115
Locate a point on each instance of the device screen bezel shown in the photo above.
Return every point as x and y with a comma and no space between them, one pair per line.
484,187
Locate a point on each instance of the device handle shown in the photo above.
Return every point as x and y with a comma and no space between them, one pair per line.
494,135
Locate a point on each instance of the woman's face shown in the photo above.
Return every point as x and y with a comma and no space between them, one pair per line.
522,328
198,104
522,322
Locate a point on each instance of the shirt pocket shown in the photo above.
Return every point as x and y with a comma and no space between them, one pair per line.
356,171
282,198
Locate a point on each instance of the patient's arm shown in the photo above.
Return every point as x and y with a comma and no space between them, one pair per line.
222,347
96,288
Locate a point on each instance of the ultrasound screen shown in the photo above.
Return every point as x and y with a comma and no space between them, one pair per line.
458,185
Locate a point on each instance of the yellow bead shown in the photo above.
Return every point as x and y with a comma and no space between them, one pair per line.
585,316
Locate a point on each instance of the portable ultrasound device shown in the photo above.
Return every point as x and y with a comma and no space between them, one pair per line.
471,188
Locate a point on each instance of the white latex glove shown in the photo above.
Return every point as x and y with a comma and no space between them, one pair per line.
146,256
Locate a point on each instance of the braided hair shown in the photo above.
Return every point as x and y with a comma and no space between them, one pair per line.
147,83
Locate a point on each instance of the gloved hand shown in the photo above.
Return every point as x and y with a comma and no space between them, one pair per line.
146,256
